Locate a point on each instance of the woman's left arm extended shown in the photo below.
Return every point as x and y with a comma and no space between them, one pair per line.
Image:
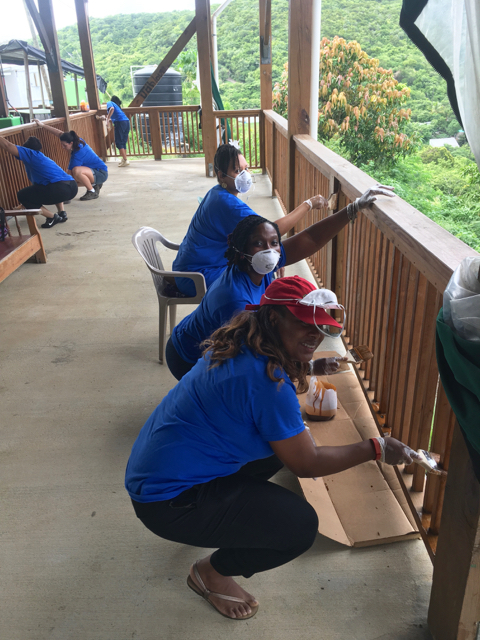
56,132
8,146
307,242
290,220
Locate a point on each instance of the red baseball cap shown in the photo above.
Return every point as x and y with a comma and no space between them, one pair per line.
291,293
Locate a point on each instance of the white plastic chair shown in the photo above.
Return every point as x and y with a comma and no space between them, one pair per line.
144,241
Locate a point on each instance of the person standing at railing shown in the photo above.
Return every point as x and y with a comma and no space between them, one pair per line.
220,211
121,125
255,251
51,185
199,471
87,168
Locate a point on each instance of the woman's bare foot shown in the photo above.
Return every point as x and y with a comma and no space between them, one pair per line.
226,586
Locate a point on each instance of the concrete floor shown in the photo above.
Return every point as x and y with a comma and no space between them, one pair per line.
79,376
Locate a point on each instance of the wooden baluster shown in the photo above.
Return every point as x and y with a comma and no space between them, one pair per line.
393,282
398,364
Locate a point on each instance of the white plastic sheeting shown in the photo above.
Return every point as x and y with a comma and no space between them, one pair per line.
451,37
453,28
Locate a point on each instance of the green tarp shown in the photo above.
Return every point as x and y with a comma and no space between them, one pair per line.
459,366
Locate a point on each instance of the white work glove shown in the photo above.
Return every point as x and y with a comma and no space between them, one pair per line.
395,452
317,202
325,366
368,198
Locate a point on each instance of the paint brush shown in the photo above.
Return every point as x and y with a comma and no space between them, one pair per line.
426,461
359,354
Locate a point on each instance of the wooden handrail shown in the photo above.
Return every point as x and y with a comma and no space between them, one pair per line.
431,249
168,109
280,122
237,114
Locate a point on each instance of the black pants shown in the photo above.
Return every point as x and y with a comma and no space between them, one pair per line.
39,194
177,365
256,524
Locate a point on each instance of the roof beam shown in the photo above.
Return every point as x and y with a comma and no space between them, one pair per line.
45,23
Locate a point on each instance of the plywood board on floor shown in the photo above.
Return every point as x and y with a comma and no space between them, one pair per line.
364,505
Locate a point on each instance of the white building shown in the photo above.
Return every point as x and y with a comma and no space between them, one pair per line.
16,85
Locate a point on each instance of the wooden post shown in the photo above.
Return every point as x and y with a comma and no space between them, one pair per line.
41,86
27,84
300,21
165,64
87,53
3,99
45,23
265,10
274,158
155,134
454,611
202,12
76,90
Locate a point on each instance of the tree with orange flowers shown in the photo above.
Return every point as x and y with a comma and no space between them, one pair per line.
360,104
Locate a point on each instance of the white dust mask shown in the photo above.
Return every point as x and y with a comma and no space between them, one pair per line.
264,262
243,181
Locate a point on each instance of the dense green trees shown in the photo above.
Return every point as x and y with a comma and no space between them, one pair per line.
359,103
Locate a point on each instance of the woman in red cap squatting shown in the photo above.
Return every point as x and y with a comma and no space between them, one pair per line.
199,469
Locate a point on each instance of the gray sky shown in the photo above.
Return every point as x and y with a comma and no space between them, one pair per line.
14,25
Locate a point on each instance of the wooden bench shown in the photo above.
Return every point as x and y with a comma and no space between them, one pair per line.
15,250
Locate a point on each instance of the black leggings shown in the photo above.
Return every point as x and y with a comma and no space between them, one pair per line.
177,365
39,194
256,524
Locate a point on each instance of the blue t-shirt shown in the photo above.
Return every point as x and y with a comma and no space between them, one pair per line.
117,115
204,246
39,168
210,424
228,295
86,157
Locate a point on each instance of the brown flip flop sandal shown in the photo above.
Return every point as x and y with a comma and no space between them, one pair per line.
206,594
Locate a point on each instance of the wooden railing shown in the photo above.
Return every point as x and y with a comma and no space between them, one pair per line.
13,176
389,270
247,128
160,131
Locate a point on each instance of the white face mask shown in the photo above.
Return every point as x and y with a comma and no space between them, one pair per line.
264,262
243,181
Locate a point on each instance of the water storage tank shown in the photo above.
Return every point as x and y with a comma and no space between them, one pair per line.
168,92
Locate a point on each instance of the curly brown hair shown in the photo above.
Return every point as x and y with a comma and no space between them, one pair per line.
254,330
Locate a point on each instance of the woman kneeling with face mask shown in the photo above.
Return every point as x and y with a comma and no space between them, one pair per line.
199,469
255,251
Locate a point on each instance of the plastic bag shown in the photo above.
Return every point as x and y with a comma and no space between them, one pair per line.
461,300
321,401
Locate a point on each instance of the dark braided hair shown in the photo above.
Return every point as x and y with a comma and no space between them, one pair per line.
224,155
239,239
71,136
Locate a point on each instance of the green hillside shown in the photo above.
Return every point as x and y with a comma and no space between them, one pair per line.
139,39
